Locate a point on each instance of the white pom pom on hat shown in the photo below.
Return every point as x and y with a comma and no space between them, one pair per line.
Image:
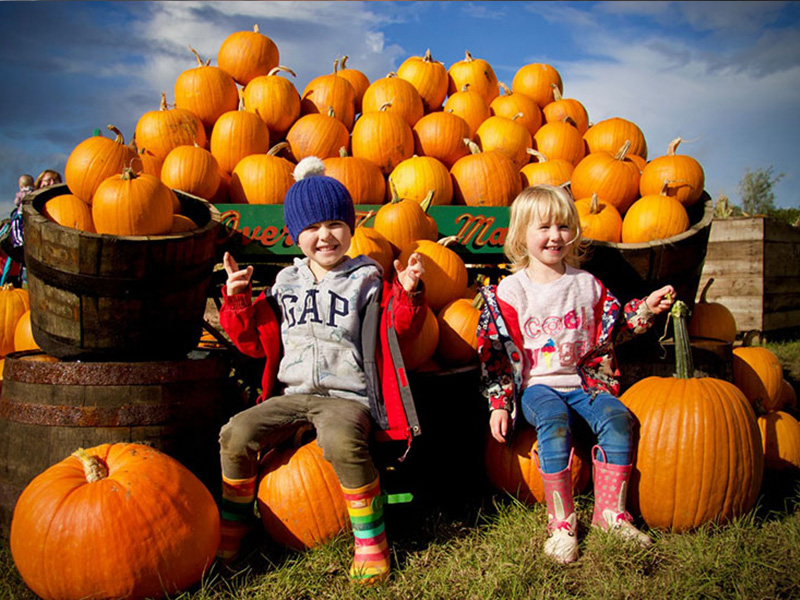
310,166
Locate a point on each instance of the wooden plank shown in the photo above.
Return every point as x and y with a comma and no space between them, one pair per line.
725,288
736,229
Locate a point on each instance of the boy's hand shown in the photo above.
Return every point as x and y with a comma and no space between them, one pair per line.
238,279
661,300
409,276
498,424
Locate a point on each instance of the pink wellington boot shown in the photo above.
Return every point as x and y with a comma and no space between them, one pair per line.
562,523
610,491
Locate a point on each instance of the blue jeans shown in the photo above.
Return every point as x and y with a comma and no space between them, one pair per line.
551,413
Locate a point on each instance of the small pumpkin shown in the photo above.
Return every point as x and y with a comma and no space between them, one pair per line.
613,177
397,95
247,55
371,242
561,108
429,78
477,73
654,217
470,106
402,221
114,521
128,204
560,139
415,177
673,486
610,135
485,178
711,320
758,373
537,81
330,92
357,79
70,211
193,170
23,334
159,131
682,174
299,497
599,220
507,135
274,99
780,435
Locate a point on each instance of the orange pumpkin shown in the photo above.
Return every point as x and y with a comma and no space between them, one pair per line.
70,211
470,106
182,224
397,95
613,177
683,176
519,107
299,497
246,55
485,178
506,135
673,485
236,134
262,178
415,177
537,81
383,137
441,135
371,242
758,373
357,79
128,204
445,274
611,134
14,302
418,350
151,164
512,468
711,320
206,91
544,171
362,178
477,74
560,139
458,331
114,521
326,92
193,170
429,78
561,108
159,131
654,217
402,221
780,436
599,220
23,334
95,159
275,100
317,134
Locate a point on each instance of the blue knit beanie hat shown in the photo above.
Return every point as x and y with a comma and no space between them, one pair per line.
315,197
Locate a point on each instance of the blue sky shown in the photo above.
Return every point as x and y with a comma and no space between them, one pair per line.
724,76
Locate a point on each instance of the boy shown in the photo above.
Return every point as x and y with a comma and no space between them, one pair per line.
322,313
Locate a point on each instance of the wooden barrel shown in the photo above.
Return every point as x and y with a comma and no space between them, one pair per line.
106,297
635,270
49,408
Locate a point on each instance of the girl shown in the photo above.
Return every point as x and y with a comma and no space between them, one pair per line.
546,338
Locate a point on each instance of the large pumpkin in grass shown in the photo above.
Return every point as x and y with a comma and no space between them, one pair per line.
299,497
512,468
445,275
758,373
94,160
14,302
128,204
698,457
114,521
780,434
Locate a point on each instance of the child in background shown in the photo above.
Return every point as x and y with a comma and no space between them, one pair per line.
335,321
546,338
25,188
47,178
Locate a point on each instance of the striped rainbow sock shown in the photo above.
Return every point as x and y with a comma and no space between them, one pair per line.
236,512
371,562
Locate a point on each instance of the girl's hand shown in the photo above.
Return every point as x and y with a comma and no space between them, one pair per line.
498,424
410,275
238,279
661,300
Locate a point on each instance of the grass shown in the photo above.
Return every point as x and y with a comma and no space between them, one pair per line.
461,540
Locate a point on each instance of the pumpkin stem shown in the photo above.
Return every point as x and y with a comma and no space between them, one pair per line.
197,56
595,206
446,241
673,146
705,289
120,139
427,201
344,61
473,147
128,174
256,29
336,65
395,197
468,56
556,92
684,366
427,57
623,151
277,148
94,468
163,105
385,106
519,115
280,68
343,152
504,88
536,154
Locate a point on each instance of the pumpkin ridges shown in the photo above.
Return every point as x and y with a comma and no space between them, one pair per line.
247,54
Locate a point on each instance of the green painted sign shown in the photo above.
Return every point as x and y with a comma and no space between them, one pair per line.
258,233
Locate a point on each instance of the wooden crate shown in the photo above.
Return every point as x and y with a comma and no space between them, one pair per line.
755,263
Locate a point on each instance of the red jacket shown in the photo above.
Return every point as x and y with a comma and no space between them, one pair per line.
254,328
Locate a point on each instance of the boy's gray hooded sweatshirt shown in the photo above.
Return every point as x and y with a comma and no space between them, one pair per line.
321,327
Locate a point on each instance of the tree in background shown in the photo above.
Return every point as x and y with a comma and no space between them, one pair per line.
756,189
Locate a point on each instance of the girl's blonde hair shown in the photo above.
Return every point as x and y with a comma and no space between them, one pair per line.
543,204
